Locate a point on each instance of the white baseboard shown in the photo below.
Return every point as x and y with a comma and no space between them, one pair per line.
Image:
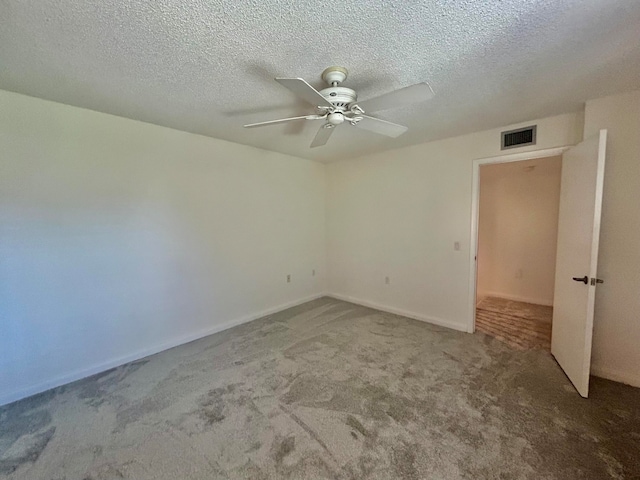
416,316
616,376
518,298
116,362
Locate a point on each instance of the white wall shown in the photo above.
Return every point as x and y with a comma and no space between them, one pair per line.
616,339
518,229
398,214
120,238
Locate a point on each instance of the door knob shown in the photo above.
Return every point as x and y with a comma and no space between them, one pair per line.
584,279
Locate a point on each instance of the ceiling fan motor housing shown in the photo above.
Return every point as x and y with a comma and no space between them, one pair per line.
340,97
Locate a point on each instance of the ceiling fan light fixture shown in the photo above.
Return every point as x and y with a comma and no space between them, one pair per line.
335,118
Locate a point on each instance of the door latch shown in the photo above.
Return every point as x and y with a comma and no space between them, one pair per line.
596,280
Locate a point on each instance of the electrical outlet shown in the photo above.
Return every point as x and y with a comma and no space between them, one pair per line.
386,280
289,278
456,246
313,273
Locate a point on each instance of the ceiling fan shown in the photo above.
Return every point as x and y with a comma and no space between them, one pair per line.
336,104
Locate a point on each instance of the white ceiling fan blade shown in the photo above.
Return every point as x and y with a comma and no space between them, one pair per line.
283,120
304,91
398,98
381,126
322,136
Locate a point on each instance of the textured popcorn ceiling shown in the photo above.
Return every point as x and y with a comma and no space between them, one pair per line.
207,66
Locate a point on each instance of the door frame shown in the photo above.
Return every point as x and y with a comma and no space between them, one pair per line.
475,212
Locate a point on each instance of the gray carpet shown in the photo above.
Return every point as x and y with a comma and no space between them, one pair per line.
327,390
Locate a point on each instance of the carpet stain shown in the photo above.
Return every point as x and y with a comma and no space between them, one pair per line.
18,424
213,415
106,472
284,448
25,431
353,396
356,425
29,450
138,410
212,406
95,390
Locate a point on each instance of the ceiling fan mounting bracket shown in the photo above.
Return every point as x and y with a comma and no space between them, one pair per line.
334,76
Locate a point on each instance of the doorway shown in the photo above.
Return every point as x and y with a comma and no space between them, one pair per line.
515,158
516,254
576,268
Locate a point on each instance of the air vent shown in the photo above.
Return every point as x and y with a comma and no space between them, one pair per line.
519,138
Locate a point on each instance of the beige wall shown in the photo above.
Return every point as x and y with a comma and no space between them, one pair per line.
616,339
399,214
518,229
120,238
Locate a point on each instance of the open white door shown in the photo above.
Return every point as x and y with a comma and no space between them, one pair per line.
577,258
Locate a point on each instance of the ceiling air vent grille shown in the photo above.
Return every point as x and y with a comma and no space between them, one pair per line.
519,137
